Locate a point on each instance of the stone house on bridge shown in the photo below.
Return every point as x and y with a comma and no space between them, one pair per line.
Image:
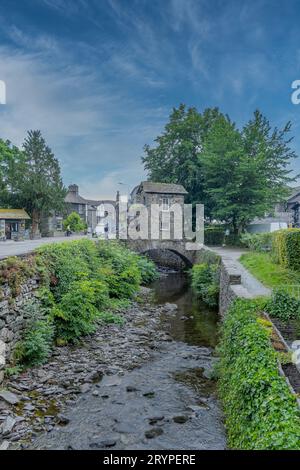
165,195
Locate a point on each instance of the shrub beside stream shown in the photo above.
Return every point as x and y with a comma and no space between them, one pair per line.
83,285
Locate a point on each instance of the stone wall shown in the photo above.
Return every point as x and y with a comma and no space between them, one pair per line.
231,287
13,320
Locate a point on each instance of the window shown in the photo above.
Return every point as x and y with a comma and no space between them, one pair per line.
59,224
14,226
165,204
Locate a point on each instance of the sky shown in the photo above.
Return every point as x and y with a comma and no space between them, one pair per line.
99,78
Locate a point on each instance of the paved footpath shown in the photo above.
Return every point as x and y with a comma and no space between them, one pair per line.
254,287
11,248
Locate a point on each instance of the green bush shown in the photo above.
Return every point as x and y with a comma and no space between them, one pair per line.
214,236
259,242
119,269
147,269
35,347
261,412
286,248
205,282
75,222
283,306
83,281
76,314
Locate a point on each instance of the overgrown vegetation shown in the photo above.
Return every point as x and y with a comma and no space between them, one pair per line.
35,348
84,283
283,306
261,412
260,242
205,282
15,271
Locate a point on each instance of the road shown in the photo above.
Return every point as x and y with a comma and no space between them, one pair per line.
11,248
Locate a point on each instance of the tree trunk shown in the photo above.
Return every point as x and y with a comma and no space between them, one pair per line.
35,224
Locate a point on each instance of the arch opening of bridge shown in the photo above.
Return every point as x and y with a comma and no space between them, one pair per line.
160,256
177,247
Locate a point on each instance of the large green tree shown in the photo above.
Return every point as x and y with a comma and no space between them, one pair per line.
11,165
236,174
39,189
174,157
245,173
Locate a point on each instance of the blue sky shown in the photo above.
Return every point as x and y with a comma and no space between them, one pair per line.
99,77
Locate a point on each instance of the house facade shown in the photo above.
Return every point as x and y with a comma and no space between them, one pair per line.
164,195
286,214
13,224
74,202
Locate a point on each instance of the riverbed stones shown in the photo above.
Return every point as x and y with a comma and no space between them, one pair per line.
154,432
9,397
180,419
62,419
7,425
4,445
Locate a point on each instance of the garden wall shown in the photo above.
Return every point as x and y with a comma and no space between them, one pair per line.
13,319
231,287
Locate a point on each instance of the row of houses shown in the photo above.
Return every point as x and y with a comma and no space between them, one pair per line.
14,223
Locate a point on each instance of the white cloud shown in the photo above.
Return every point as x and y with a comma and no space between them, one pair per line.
93,127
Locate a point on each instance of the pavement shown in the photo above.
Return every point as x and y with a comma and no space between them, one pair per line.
11,248
254,287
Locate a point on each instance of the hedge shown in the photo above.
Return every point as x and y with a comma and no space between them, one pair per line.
261,412
286,248
214,236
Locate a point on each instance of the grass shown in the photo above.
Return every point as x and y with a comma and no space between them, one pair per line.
266,271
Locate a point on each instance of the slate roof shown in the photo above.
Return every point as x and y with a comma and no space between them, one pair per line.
162,188
74,198
14,214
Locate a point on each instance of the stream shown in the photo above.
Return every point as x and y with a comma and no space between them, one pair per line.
169,402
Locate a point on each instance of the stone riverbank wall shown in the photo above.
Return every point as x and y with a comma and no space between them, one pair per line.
231,286
13,319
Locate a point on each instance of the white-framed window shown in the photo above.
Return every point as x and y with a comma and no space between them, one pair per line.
165,221
165,203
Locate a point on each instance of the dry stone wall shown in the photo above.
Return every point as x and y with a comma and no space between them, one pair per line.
231,286
13,320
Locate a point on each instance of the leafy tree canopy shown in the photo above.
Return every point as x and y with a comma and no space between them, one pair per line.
237,174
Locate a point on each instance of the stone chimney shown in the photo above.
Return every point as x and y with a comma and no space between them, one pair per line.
73,188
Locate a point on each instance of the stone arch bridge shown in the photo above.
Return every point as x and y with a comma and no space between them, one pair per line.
187,251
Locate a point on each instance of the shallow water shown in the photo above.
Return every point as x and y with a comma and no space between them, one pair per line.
168,402
193,323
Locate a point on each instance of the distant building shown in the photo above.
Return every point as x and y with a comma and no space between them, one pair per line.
165,195
74,202
12,224
286,214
